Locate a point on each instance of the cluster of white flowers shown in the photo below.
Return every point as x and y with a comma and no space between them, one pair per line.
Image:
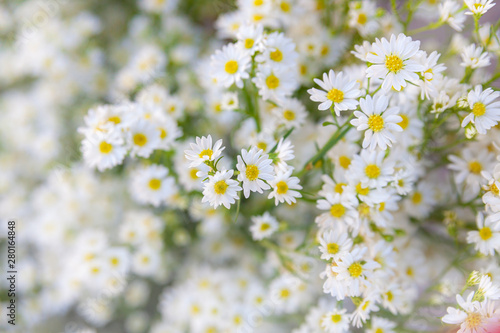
357,162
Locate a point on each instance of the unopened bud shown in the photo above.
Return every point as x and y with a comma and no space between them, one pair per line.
474,278
470,131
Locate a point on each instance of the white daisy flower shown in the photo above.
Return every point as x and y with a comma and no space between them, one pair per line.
250,38
290,112
361,51
278,51
220,189
143,138
339,210
284,188
379,121
203,151
263,226
275,83
334,244
367,305
335,321
284,152
450,11
150,185
487,238
431,68
355,270
371,168
492,196
230,66
381,325
103,150
338,90
393,61
169,131
485,110
474,57
255,168
487,289
478,7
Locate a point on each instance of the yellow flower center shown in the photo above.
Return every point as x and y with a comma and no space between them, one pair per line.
258,2
114,261
337,210
475,167
416,198
362,190
336,318
140,139
376,122
276,55
364,210
478,109
285,293
262,145
494,189
249,43
473,320
206,152
355,270
281,187
272,82
362,18
265,226
335,95
231,67
344,161
365,306
389,296
163,133
339,188
285,6
485,233
372,171
192,173
393,63
252,172
220,187
404,123
379,330
289,115
381,207
115,119
105,147
332,248
155,184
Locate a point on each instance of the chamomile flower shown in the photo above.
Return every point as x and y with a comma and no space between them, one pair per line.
203,151
275,83
143,138
485,111
290,112
338,90
339,209
474,57
478,7
450,11
334,244
255,168
371,168
103,150
220,189
284,188
487,238
335,321
150,185
492,196
230,66
378,121
250,38
381,325
487,289
263,226
393,61
472,316
278,51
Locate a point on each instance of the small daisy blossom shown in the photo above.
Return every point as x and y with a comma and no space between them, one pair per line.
487,237
338,90
150,185
250,38
492,196
335,321
230,66
103,150
393,61
334,244
255,168
485,111
487,289
451,12
275,83
144,138
371,168
203,151
284,188
478,7
220,189
263,226
473,317
378,121
474,57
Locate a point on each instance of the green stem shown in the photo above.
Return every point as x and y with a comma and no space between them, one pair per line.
431,26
